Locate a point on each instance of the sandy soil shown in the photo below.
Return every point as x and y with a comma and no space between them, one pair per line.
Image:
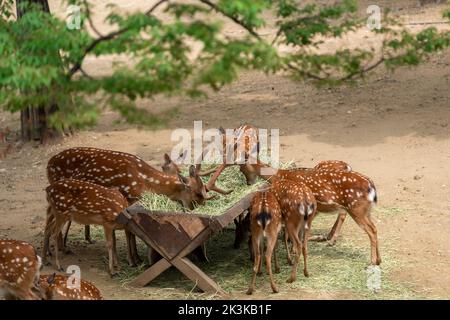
394,128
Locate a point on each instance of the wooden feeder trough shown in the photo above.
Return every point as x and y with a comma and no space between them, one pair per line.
176,234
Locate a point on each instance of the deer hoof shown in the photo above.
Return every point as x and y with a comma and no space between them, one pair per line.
113,274
306,273
275,289
318,238
277,270
331,243
290,280
250,291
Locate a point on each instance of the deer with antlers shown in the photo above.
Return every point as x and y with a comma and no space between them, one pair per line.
19,270
241,145
130,174
85,203
333,190
56,287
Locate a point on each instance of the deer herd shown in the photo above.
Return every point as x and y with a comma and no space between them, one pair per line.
92,186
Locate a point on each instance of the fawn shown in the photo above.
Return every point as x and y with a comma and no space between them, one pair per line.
19,270
333,190
55,287
298,208
265,222
85,203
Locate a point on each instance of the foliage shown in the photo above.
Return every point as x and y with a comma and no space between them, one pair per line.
41,59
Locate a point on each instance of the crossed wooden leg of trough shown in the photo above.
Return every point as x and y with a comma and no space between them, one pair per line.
180,261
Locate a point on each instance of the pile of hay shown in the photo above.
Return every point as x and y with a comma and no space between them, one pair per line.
230,179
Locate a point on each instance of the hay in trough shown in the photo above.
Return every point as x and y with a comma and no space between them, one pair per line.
230,179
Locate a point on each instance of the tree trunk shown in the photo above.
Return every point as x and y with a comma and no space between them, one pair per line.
33,119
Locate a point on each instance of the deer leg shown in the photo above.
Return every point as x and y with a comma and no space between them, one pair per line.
129,253
256,263
336,230
288,251
275,257
116,258
250,248
62,239
296,250
361,216
66,233
87,234
200,253
109,235
305,253
59,224
261,249
271,242
49,225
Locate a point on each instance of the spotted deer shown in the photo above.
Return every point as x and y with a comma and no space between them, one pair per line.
171,166
242,224
333,190
265,222
244,143
19,270
298,208
56,287
85,203
333,165
131,175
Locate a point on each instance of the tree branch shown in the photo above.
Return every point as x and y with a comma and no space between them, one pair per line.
77,66
88,16
84,73
235,19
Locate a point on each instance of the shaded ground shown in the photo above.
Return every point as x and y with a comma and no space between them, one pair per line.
394,128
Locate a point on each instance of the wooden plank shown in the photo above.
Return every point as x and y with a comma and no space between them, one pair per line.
194,273
133,227
202,237
233,212
171,233
151,273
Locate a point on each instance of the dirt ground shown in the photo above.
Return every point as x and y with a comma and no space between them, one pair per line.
394,128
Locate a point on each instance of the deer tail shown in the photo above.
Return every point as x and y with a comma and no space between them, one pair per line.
372,194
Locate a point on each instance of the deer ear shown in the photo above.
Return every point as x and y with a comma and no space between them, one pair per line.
51,279
221,130
182,179
192,171
167,158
